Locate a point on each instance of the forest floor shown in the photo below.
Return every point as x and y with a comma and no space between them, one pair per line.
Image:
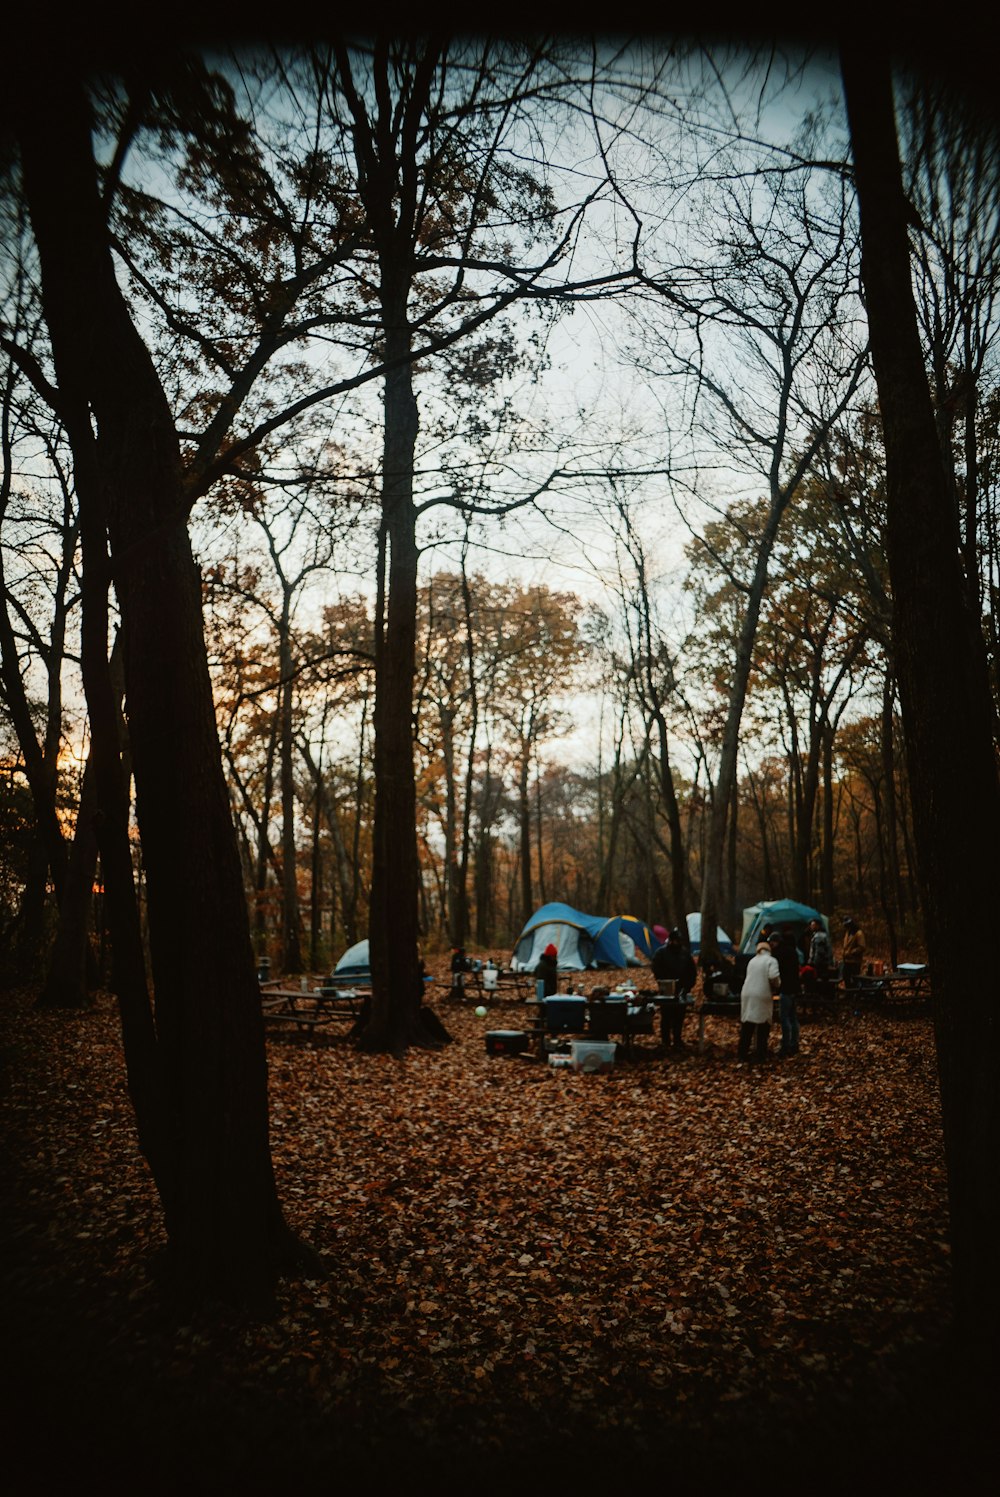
715,1275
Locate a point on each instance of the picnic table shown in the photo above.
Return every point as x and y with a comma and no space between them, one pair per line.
905,986
475,985
826,996
306,1009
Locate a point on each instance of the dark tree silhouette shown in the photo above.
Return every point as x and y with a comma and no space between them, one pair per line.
945,697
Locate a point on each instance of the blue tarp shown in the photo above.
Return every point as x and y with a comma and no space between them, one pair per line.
581,940
781,913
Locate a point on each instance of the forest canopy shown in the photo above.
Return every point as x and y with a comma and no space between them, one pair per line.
646,477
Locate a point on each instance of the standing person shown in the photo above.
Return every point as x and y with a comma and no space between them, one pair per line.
785,952
820,954
762,982
548,969
673,962
854,949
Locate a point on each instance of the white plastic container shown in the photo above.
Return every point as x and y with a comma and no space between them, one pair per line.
489,979
592,1055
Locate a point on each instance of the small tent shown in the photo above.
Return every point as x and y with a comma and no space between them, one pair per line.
780,913
640,935
581,940
354,965
726,946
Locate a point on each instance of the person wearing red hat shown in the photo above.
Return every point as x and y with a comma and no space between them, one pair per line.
548,969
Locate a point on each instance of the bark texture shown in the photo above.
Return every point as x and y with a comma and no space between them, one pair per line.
946,706
199,1081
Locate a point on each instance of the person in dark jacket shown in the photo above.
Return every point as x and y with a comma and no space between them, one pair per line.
785,951
820,954
673,962
548,969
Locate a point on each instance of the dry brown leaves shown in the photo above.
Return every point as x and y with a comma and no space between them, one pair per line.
518,1258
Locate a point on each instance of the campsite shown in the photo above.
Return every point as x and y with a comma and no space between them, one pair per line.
491,526
527,1276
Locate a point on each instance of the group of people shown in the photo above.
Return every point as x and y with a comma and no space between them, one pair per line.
773,972
776,970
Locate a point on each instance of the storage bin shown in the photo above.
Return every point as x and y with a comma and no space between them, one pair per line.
592,1055
563,1015
506,1041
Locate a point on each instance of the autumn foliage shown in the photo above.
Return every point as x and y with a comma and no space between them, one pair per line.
682,1262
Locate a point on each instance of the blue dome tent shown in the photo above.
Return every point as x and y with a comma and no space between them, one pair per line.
780,913
581,940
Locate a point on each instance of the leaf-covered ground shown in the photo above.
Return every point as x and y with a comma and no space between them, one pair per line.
709,1274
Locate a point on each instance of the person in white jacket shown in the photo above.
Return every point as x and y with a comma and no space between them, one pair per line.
762,981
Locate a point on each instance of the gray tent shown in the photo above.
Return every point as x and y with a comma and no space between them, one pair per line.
354,966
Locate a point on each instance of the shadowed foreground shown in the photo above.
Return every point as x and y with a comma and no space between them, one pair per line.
683,1270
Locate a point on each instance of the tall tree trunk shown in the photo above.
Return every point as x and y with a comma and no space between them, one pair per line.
394,916
72,965
316,875
227,1235
891,878
732,911
462,898
39,766
352,896
609,838
947,711
678,848
265,856
826,856
291,959
524,833
539,833
711,888
446,721
484,871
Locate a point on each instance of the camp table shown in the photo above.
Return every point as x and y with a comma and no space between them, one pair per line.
306,1009
521,985
904,986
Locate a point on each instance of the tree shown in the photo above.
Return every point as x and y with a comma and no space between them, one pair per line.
542,648
944,693
38,553
199,1080
457,230
952,163
752,320
653,679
